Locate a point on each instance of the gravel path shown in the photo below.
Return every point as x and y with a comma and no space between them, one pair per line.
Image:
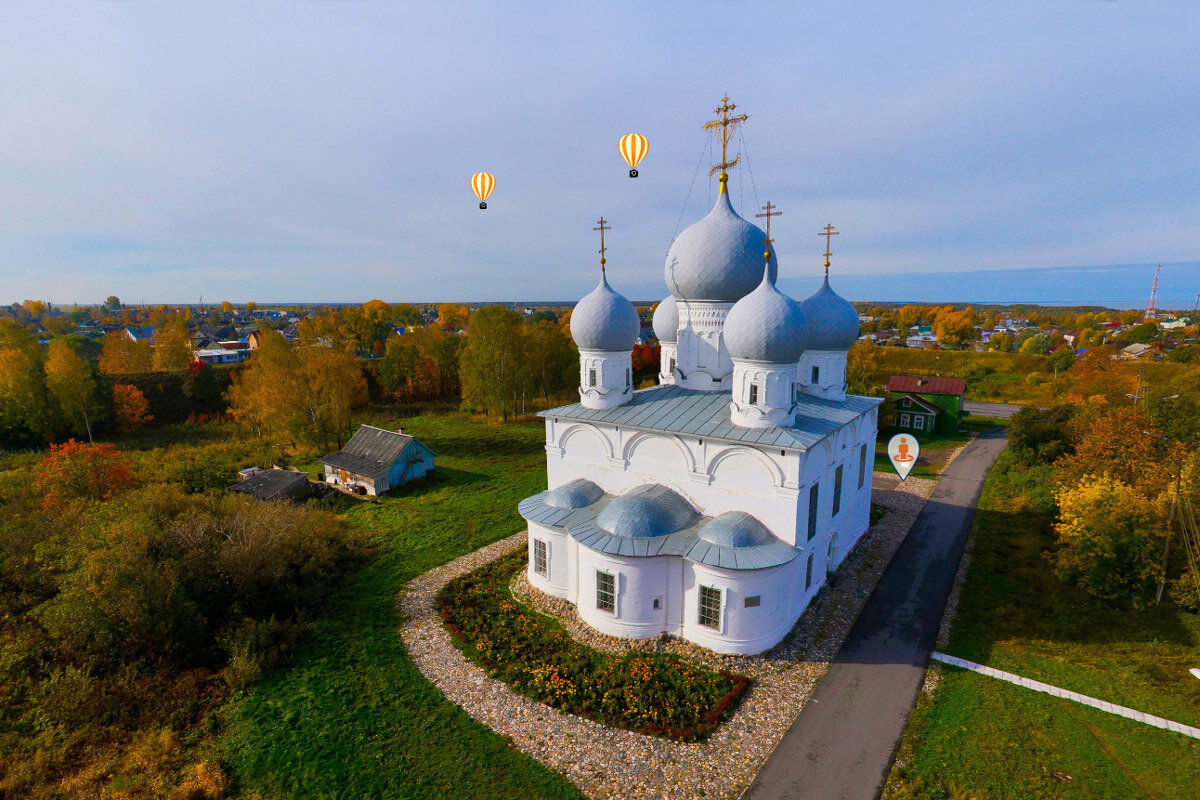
611,763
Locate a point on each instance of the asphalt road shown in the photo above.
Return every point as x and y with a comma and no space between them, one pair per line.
842,744
1002,410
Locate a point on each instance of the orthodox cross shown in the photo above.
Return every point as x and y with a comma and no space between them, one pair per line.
770,212
828,233
726,123
602,229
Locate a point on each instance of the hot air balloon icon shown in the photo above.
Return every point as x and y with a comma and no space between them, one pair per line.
633,147
482,184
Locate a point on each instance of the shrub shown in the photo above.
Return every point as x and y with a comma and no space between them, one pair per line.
651,693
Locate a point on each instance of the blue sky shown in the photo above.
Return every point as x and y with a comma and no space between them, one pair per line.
311,151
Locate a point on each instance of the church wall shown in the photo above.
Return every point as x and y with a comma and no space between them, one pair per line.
702,361
558,559
638,583
742,630
831,373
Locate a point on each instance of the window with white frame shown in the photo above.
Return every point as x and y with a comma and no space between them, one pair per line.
671,368
592,376
628,378
905,401
539,558
753,393
710,607
606,591
862,464
919,421
905,420
808,573
816,374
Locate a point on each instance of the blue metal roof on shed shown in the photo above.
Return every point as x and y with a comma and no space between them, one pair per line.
705,415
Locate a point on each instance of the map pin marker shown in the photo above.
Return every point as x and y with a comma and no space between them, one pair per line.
903,450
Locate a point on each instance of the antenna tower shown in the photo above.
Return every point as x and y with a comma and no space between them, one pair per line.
1152,305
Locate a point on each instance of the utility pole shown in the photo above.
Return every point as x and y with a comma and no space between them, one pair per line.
1162,583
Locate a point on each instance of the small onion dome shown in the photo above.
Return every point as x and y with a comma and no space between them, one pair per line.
643,514
605,320
576,494
718,258
666,320
766,325
832,321
735,529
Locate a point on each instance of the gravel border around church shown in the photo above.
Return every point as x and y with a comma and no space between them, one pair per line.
611,763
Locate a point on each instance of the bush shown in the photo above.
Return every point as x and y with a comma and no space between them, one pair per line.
651,693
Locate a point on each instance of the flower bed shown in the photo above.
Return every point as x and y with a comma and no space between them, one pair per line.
652,693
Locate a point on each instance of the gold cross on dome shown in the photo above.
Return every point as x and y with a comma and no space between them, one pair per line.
602,229
769,210
726,123
828,233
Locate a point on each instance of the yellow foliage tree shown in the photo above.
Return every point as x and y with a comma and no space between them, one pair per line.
71,384
173,349
121,355
1111,540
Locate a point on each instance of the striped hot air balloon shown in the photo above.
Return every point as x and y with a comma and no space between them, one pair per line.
633,147
482,184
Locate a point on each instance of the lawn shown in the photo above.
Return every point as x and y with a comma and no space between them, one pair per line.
979,737
352,717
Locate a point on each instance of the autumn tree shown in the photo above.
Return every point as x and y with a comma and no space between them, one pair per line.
74,470
131,408
69,381
23,406
331,386
491,366
453,317
1110,540
1118,442
262,391
112,302
173,349
122,355
1038,344
551,357
955,328
862,369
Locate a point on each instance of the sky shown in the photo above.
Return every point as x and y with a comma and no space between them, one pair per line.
322,151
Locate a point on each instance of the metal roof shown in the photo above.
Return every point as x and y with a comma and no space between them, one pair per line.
909,383
705,415
731,541
370,451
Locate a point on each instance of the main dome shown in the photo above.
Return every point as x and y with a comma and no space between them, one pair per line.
605,320
666,320
832,321
766,325
718,258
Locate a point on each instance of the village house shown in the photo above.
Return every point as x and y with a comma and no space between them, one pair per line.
926,405
376,460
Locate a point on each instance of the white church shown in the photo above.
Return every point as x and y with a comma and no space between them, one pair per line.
713,506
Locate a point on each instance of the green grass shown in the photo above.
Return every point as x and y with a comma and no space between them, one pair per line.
352,717
985,738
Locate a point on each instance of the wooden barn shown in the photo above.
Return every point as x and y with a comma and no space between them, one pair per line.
378,460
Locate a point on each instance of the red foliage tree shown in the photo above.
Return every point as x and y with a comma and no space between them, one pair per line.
77,470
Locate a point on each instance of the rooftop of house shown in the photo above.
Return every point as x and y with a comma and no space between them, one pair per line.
909,384
370,451
705,415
